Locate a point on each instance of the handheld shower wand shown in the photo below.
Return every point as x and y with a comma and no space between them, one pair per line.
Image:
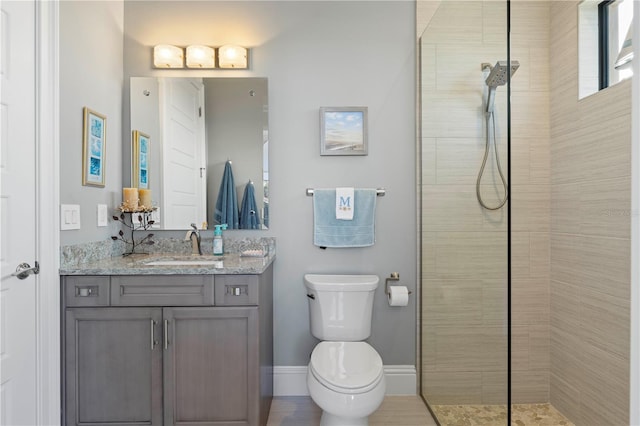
491,97
497,77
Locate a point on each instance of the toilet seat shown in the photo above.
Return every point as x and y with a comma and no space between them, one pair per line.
346,367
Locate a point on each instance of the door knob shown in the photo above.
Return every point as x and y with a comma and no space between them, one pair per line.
24,270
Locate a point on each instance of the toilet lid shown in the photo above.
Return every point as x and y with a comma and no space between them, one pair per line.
348,367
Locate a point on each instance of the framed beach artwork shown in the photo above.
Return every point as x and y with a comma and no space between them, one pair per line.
140,160
94,140
343,131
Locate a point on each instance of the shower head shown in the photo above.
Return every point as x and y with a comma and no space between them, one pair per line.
498,75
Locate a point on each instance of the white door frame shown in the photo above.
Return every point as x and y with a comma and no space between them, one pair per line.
47,216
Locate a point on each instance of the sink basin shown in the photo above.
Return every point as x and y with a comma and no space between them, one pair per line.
206,261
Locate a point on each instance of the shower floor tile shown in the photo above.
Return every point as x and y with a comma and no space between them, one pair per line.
495,415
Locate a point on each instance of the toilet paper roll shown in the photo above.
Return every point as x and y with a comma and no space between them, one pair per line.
398,295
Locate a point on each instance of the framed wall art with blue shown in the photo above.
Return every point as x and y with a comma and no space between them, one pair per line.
94,143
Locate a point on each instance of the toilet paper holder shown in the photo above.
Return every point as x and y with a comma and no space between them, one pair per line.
395,276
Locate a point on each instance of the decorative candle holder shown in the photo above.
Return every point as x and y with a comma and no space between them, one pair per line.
143,223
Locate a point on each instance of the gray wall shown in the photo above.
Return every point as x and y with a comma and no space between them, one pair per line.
315,54
91,76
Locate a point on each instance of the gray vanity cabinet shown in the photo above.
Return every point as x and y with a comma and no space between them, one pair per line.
141,351
210,366
112,372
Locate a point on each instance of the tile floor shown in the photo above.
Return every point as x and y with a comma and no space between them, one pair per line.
495,415
394,411
411,411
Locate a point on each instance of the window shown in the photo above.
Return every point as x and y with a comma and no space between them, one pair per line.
605,51
614,34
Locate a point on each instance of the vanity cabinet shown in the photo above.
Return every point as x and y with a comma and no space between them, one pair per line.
163,350
211,366
112,373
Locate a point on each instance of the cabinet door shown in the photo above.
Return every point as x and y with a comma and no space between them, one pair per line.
113,366
211,366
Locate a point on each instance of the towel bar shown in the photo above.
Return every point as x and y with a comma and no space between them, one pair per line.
380,192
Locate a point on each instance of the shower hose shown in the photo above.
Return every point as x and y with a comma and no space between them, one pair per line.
491,119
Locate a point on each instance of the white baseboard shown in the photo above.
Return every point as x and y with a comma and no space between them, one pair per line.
401,379
292,380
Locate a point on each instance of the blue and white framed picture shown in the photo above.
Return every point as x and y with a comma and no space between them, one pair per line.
140,172
343,131
94,141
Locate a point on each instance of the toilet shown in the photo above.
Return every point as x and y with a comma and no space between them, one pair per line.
345,377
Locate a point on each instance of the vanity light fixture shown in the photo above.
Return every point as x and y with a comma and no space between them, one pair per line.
232,56
199,56
168,56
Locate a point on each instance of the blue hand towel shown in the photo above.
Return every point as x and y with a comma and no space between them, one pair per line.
332,232
249,214
227,203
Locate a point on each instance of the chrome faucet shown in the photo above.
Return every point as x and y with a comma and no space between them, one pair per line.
194,236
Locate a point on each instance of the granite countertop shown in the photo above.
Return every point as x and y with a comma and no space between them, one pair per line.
138,264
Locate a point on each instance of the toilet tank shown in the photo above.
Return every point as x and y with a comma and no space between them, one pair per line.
340,306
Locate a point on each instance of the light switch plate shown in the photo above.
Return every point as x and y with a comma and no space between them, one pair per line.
69,216
102,215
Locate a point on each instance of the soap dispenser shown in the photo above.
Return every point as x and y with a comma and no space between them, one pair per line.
218,243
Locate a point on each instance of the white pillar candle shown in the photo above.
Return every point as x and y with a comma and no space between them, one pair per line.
130,198
145,198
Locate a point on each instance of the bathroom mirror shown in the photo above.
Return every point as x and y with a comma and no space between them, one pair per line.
194,127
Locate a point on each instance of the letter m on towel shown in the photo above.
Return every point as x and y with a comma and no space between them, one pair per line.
345,202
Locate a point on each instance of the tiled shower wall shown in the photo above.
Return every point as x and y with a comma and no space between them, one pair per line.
590,231
464,247
531,210
571,211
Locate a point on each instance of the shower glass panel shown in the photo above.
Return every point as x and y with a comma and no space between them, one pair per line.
464,77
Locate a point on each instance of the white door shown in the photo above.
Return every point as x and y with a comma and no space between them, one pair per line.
183,153
17,214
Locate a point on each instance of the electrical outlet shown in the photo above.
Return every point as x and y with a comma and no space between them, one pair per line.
102,215
69,216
